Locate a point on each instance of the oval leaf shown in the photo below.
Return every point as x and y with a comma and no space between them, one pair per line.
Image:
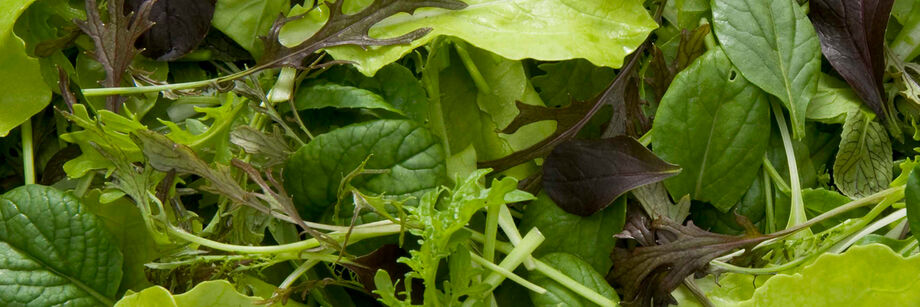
54,252
863,163
405,158
585,176
715,125
775,47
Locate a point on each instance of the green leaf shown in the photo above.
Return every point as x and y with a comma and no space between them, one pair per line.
395,83
410,157
713,124
571,80
339,96
246,20
877,273
24,91
832,101
818,201
775,47
589,238
579,270
543,30
912,201
212,293
54,252
864,161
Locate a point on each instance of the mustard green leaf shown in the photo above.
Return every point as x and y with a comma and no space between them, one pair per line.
24,91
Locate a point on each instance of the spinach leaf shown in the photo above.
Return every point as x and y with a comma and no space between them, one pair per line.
585,176
406,159
179,26
852,38
577,269
339,96
712,123
775,47
864,160
54,252
590,238
25,93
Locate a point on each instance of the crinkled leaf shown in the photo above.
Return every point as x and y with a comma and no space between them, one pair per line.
585,176
580,271
410,157
339,96
864,161
179,26
212,293
714,125
25,93
775,47
852,36
54,252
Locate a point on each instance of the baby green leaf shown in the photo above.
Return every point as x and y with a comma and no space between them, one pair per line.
245,21
406,158
577,269
832,102
585,176
212,293
715,125
54,252
24,91
912,201
571,80
775,47
863,163
339,96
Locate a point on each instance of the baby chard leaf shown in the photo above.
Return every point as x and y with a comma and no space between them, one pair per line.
585,176
852,36
179,25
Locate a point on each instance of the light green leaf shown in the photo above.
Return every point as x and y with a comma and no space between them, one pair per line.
590,238
715,125
24,91
863,163
410,157
54,252
862,276
543,29
245,20
774,46
212,293
832,101
339,96
579,270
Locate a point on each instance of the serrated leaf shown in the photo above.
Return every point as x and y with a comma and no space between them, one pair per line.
339,96
54,252
585,176
864,161
714,125
410,157
25,93
775,47
580,271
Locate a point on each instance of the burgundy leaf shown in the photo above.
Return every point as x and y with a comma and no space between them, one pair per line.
585,176
852,34
180,25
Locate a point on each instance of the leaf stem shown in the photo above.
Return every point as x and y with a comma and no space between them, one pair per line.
359,233
777,178
491,231
797,209
28,155
768,194
508,274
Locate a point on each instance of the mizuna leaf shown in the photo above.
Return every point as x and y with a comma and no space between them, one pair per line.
585,176
179,25
715,125
852,36
114,40
24,91
863,163
775,47
54,252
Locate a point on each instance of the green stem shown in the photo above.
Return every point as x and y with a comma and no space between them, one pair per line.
357,234
797,209
906,45
891,218
777,178
768,194
28,153
491,231
481,84
646,138
284,86
514,258
508,274
710,39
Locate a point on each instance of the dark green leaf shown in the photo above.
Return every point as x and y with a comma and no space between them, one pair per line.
580,271
339,96
912,201
571,80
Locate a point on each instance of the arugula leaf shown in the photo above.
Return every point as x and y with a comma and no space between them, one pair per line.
775,47
852,37
212,293
712,123
339,96
25,93
178,27
535,33
577,269
585,176
406,158
863,163
53,251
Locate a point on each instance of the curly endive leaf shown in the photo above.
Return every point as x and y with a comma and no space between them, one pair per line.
53,252
863,163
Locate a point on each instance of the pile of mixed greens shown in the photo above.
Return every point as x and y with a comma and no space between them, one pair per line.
459,152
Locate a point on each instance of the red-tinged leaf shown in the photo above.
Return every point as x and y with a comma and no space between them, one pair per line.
180,25
852,34
585,176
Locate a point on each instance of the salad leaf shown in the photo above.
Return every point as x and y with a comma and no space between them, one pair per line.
775,47
54,252
245,21
585,176
577,269
912,202
863,163
25,94
711,122
852,37
212,293
833,101
570,80
179,26
339,96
